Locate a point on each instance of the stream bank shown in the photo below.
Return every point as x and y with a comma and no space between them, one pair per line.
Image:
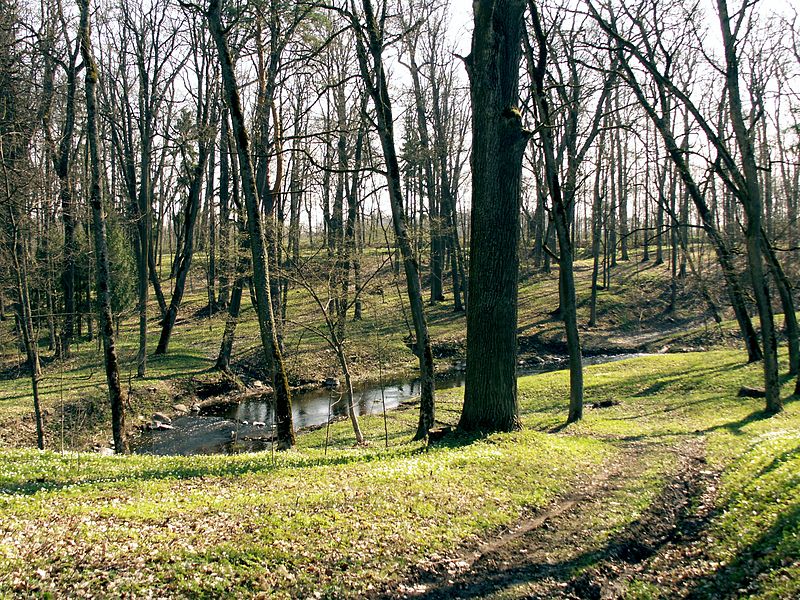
243,421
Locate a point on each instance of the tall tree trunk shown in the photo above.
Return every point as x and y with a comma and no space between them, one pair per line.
646,199
434,212
561,217
752,202
622,189
498,145
102,269
378,89
61,159
448,204
258,247
662,182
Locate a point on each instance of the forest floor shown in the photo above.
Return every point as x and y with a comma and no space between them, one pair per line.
678,489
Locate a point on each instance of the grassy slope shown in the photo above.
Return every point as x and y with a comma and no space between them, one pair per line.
631,315
305,523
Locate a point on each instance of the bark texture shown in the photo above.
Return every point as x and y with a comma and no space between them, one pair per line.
498,144
258,246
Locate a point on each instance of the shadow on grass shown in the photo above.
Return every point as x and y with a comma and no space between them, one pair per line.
175,468
559,428
742,576
736,427
778,461
667,514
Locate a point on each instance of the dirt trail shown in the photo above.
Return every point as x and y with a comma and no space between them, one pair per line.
562,552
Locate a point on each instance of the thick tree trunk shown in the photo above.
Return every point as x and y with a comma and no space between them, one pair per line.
566,280
102,270
498,144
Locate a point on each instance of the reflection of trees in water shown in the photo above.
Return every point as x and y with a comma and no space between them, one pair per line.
338,404
312,408
254,411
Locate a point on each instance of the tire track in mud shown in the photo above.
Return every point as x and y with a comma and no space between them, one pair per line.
560,552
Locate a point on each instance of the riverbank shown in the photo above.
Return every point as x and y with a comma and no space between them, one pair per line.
632,319
242,420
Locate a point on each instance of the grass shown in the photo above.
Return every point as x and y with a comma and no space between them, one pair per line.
351,521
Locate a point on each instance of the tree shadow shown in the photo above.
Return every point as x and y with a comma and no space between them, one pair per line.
668,514
741,576
180,468
778,462
736,427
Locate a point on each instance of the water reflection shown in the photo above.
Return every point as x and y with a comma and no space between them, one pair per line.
248,425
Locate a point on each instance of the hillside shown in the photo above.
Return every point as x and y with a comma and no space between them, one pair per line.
680,489
632,317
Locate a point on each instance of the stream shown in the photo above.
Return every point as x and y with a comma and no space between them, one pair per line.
247,426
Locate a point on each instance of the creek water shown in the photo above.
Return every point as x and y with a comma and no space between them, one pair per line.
247,425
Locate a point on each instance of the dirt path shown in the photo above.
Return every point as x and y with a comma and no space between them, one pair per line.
574,549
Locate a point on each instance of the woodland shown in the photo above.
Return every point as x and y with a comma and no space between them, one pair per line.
399,299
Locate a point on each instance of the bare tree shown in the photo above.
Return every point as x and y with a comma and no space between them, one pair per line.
369,31
563,198
102,269
61,149
258,246
741,178
200,129
16,130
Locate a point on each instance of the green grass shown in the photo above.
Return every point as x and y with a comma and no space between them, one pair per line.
348,521
352,520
